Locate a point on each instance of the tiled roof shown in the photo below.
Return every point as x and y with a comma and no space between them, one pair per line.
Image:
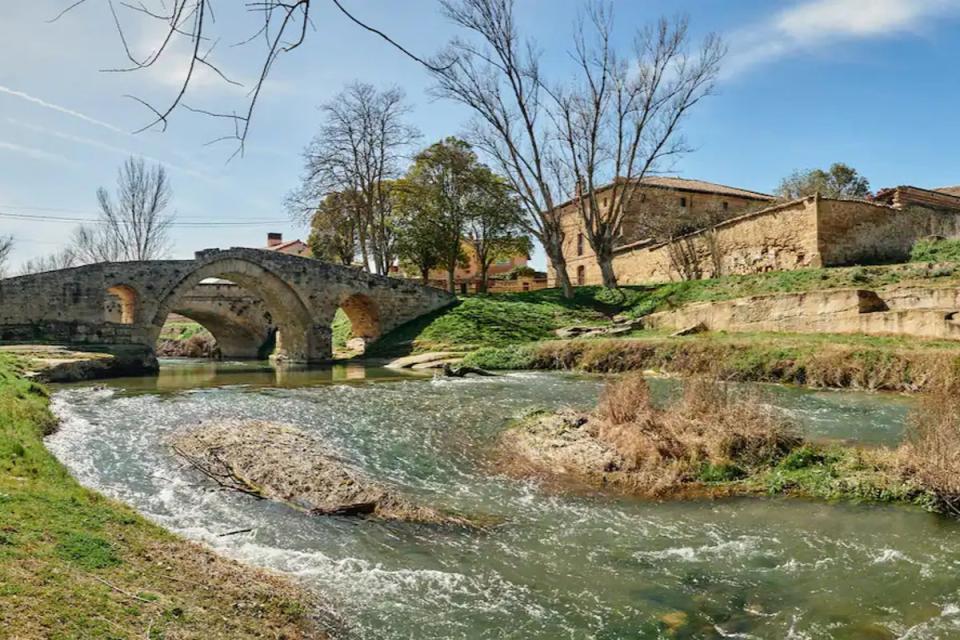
284,245
703,186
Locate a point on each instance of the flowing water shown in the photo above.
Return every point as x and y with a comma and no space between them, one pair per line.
559,566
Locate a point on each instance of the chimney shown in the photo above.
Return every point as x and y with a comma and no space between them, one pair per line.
273,239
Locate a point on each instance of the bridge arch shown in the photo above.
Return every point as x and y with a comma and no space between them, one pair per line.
122,304
297,338
364,315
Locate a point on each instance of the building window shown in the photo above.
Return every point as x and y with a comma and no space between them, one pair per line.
581,275
579,244
604,202
726,205
683,203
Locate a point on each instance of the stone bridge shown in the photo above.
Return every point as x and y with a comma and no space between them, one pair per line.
126,303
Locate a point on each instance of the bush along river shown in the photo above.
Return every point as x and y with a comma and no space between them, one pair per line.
559,565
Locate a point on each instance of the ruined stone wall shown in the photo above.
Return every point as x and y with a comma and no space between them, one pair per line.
856,232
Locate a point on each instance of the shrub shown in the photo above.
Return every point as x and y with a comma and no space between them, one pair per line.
711,434
932,449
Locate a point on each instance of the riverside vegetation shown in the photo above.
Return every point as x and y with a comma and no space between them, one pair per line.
74,564
517,331
715,441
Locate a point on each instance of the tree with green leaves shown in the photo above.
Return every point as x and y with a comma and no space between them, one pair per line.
839,181
418,245
494,226
447,181
333,229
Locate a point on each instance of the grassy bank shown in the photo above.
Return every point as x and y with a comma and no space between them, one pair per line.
717,442
819,360
74,564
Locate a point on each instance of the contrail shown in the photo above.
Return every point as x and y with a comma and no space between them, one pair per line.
56,107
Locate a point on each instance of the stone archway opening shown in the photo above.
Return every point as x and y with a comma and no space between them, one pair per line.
356,324
250,310
121,304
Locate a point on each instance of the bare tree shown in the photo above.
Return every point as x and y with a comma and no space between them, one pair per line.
620,120
136,225
498,78
358,151
691,237
6,247
63,259
189,31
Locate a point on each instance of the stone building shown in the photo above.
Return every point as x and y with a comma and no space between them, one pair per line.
805,233
656,195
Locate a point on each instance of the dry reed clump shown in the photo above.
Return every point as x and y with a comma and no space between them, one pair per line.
931,453
714,432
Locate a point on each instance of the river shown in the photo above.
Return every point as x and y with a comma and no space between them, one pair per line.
559,566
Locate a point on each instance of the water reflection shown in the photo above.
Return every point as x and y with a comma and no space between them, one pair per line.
179,374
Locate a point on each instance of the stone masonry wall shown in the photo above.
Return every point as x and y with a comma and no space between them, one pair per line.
777,238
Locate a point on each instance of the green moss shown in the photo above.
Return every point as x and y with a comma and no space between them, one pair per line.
500,358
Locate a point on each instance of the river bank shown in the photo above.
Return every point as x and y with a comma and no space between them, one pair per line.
76,564
839,362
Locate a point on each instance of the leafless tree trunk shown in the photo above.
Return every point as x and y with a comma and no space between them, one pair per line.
620,118
499,80
357,153
136,225
6,247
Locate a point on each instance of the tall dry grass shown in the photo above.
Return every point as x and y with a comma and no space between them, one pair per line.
931,452
713,424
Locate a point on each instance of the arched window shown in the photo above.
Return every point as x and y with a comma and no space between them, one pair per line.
579,244
581,275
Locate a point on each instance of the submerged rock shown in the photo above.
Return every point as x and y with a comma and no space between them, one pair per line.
282,463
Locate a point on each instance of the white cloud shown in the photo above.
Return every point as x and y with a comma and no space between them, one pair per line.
36,154
106,147
813,23
61,109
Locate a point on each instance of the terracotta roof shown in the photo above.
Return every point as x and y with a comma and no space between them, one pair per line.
284,245
950,191
686,184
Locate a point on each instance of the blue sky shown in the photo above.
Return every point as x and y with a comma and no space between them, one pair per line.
807,82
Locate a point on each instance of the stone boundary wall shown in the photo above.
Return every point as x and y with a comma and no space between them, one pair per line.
782,237
856,232
806,233
915,311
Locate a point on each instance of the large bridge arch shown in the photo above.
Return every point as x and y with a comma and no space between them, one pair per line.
296,335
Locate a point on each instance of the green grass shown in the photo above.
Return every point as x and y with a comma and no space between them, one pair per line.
936,251
818,360
74,564
507,319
